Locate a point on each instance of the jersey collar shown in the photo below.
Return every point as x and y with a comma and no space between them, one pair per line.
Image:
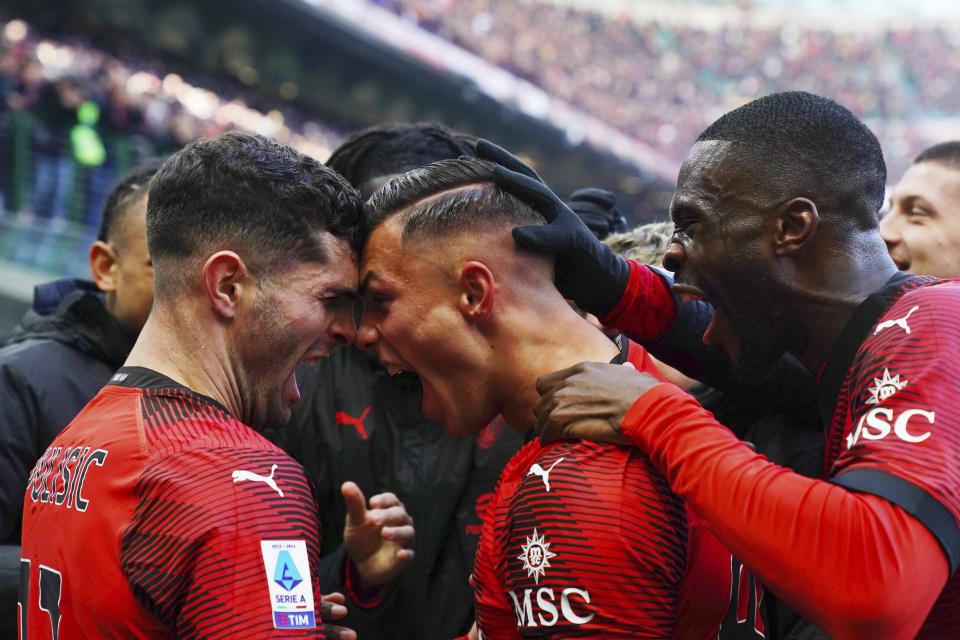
144,378
852,335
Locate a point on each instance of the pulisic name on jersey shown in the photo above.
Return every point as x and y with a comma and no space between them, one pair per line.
59,474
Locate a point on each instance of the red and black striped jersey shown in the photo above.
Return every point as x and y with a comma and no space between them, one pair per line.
587,540
895,428
156,514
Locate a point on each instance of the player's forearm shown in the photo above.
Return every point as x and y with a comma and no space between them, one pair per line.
855,564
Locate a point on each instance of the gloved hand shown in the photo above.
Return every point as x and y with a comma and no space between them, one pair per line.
587,271
598,210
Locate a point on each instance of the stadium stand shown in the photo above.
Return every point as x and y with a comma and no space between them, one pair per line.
75,118
664,80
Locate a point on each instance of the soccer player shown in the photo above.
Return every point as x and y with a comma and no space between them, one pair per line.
356,423
775,211
922,228
159,511
579,539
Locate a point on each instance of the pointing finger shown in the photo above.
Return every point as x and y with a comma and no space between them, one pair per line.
356,504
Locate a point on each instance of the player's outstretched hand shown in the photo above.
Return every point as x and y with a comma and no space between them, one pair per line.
378,538
333,607
588,401
587,270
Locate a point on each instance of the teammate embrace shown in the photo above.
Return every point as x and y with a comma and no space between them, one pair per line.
620,519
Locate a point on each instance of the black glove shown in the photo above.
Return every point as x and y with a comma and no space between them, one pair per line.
587,271
598,210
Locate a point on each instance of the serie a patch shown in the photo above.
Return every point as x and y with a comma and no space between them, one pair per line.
288,577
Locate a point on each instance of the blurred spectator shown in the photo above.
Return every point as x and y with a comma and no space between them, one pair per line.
922,227
665,83
73,117
65,349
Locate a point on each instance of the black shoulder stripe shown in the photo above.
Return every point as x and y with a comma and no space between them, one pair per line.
912,499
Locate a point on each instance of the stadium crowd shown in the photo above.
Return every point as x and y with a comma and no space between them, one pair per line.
411,392
665,83
130,108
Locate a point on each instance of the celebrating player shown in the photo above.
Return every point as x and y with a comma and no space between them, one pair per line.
776,228
922,228
579,539
159,511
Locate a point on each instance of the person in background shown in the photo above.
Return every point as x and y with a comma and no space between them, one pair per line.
922,227
65,349
645,244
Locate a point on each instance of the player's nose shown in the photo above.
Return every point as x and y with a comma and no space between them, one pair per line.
674,257
890,229
367,335
342,330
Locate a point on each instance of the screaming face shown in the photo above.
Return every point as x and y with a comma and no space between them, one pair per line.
718,254
413,322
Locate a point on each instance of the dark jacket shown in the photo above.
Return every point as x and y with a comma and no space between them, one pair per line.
354,422
66,348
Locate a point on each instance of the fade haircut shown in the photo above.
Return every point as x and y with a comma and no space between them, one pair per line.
248,194
395,147
947,153
131,186
445,198
810,146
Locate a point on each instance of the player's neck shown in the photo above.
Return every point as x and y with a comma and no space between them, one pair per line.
552,341
175,345
832,294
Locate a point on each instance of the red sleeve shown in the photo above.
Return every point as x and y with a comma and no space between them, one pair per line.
495,616
643,361
646,309
192,552
901,412
360,595
836,556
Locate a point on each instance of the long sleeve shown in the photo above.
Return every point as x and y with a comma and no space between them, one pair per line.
856,564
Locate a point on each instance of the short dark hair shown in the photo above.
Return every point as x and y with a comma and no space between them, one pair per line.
947,153
435,201
133,184
396,147
811,146
248,194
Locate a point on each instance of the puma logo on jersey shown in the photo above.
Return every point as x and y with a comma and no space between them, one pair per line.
899,322
342,418
241,476
537,470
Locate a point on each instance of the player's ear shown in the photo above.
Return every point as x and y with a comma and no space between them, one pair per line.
225,278
476,291
797,222
103,262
